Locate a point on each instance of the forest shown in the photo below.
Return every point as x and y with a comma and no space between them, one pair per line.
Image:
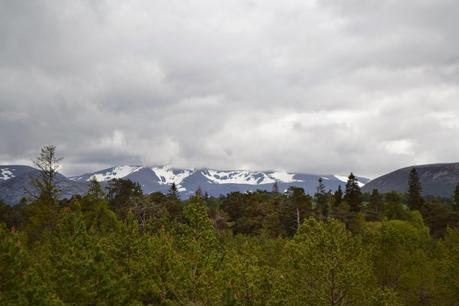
118,246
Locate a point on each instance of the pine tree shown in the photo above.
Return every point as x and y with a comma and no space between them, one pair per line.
376,201
322,200
173,191
353,195
43,212
338,197
95,190
97,214
415,200
294,209
48,164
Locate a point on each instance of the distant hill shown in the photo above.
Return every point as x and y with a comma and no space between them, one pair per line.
15,183
14,180
436,179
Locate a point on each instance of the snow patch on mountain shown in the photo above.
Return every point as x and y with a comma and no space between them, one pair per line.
284,177
6,174
344,179
237,177
168,175
115,173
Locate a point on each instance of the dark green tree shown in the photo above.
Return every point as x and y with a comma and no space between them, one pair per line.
294,210
96,212
375,208
376,200
173,191
120,193
321,196
338,197
353,195
415,200
95,190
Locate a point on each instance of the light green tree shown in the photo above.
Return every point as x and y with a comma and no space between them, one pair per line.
325,265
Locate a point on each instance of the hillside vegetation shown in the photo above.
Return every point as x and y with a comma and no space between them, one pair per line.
121,247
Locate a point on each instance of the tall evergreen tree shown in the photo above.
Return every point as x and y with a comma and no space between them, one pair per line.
294,210
376,201
322,200
173,191
375,211
353,195
48,164
95,190
338,197
43,213
415,200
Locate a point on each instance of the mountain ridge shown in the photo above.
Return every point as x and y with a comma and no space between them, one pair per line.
188,180
166,175
437,179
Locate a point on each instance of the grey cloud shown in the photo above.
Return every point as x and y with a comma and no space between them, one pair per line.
318,86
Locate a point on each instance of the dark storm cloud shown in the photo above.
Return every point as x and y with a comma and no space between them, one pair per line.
317,86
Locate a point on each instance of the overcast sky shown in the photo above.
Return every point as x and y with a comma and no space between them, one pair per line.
308,86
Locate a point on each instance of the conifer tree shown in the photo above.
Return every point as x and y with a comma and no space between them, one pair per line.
415,200
173,191
48,164
97,214
294,209
95,190
376,201
322,200
42,214
353,195
338,197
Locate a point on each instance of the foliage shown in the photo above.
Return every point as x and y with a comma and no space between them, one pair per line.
259,248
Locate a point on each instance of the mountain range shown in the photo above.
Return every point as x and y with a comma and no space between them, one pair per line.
15,179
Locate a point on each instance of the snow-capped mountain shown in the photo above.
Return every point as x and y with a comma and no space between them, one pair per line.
9,172
214,182
16,183
15,180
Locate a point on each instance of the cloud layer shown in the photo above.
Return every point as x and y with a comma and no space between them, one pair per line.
315,86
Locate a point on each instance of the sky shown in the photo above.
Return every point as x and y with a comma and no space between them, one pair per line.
324,86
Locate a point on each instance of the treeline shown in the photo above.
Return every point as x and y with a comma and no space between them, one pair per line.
121,247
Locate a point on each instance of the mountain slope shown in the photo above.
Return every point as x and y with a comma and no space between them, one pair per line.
436,179
214,182
15,180
16,183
